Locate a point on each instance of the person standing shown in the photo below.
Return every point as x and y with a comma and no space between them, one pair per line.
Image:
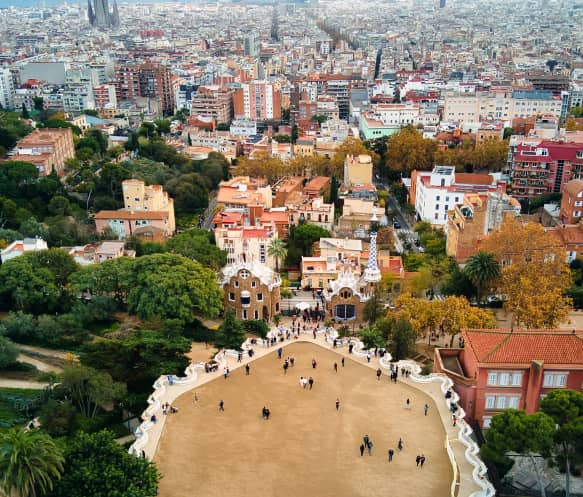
368,357
391,454
285,366
422,461
314,364
454,419
291,361
195,397
311,382
400,444
425,409
408,404
279,352
369,447
221,406
247,369
379,373
336,367
365,440
342,362
337,404
418,460
361,450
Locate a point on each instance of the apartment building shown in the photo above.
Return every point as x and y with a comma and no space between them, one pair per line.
434,193
470,221
47,148
213,101
387,119
542,166
7,91
257,100
511,369
571,209
104,97
148,213
247,243
358,170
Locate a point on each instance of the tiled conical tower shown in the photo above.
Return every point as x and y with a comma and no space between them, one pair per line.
372,273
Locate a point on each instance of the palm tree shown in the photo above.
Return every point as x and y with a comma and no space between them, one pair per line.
29,461
482,268
278,250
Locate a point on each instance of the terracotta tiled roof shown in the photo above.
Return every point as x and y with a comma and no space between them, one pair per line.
523,347
159,215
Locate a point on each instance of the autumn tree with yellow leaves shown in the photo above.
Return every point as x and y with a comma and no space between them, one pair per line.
534,275
450,315
262,165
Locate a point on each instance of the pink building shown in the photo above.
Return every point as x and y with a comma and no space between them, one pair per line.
503,369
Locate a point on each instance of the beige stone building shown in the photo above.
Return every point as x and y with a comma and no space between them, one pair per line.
252,290
47,149
356,217
148,213
247,243
358,170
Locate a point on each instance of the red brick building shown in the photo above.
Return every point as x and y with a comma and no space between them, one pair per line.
502,369
545,167
572,202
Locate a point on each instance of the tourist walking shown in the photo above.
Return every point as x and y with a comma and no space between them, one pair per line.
400,444
418,460
221,406
365,440
391,454
311,382
408,404
361,450
279,352
342,362
336,367
247,369
421,461
291,361
337,404
425,409
314,364
379,373
285,366
369,447
368,357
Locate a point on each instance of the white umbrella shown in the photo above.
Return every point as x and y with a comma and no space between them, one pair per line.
302,306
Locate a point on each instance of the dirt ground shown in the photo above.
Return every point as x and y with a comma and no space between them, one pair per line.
306,448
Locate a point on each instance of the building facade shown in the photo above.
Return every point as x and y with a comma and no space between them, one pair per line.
257,101
251,289
358,170
504,369
47,148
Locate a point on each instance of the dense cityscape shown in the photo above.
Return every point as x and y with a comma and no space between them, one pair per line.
242,242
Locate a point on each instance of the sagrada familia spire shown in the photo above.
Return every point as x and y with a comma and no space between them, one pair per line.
100,16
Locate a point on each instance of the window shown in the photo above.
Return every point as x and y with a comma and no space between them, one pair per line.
231,296
502,401
255,314
447,199
244,274
446,207
486,421
436,207
492,378
437,198
253,284
244,313
236,284
505,378
259,297
556,380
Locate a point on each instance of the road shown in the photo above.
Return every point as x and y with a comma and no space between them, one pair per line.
209,213
405,233
10,383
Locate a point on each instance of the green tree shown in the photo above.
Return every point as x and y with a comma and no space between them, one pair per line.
198,245
402,343
482,269
25,114
371,338
565,407
373,308
231,333
171,286
97,466
515,431
277,249
138,359
8,352
30,462
59,418
301,239
89,389
110,278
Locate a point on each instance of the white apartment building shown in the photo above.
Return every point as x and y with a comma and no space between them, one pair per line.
436,192
6,89
500,105
247,243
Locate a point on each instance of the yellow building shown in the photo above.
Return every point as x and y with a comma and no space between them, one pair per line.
358,170
139,197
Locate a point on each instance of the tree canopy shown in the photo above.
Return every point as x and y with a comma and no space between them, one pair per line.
231,333
97,466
